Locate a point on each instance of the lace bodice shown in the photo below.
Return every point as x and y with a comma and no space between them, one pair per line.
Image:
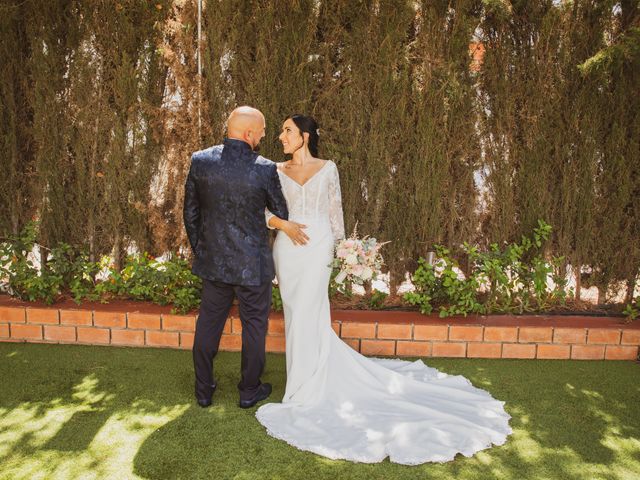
319,197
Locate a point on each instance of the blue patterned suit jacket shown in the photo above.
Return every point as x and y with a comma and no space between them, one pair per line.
226,193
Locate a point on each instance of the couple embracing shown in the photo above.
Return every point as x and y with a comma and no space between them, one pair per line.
337,403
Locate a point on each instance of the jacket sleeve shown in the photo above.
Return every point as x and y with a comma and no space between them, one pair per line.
276,203
191,209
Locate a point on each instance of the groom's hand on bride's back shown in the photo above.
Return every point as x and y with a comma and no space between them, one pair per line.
295,232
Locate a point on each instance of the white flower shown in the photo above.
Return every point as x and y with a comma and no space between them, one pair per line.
351,259
367,274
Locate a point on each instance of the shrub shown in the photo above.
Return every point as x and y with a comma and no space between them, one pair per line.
148,279
632,310
441,284
22,277
511,279
276,298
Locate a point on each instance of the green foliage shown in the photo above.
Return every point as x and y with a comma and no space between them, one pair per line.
425,282
561,128
18,199
276,299
512,279
147,279
75,269
625,51
376,300
632,310
549,117
515,277
17,268
459,295
142,277
442,285
335,288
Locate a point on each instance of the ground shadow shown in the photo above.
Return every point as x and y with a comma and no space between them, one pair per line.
95,383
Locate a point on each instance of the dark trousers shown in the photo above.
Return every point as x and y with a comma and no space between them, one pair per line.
254,306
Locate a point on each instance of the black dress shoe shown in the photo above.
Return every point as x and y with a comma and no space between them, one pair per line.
263,392
203,402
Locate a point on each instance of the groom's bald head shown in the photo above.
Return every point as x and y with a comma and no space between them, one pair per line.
246,124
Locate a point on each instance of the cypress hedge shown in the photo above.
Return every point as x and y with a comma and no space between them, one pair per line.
102,106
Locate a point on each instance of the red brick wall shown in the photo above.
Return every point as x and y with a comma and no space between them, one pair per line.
372,333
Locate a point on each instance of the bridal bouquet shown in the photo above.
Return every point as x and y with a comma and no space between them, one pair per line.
357,259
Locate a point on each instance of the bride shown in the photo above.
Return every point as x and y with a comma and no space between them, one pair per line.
338,403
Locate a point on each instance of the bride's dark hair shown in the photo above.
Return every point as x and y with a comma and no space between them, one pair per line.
307,124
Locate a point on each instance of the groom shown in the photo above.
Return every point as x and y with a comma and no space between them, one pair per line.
226,193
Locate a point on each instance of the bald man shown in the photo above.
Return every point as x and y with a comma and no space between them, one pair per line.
228,188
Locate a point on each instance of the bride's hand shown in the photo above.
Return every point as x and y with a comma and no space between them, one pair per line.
295,232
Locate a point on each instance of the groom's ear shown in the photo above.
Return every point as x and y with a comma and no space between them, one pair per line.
252,138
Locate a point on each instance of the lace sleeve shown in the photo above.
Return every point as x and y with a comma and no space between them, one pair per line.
335,205
268,216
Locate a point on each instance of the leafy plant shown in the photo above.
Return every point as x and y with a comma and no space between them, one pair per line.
632,310
511,279
181,288
376,299
515,278
276,299
425,281
78,273
22,277
336,288
459,295
441,284
146,278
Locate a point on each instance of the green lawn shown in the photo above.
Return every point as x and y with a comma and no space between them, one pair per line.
104,412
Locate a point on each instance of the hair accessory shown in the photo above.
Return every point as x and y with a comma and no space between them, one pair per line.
318,131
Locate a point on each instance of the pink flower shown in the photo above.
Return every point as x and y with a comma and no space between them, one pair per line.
357,270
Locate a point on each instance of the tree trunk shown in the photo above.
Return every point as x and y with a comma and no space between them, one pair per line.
631,286
117,251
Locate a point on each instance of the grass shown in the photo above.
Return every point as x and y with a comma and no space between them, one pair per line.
104,412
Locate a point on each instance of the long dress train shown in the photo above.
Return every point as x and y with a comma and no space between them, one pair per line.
341,404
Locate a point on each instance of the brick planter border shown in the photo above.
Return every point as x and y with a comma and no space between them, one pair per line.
403,334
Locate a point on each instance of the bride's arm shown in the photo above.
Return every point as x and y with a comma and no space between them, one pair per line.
293,230
336,216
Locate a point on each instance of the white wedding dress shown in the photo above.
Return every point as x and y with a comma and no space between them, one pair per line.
341,404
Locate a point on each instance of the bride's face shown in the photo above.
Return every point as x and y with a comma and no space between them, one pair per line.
290,137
